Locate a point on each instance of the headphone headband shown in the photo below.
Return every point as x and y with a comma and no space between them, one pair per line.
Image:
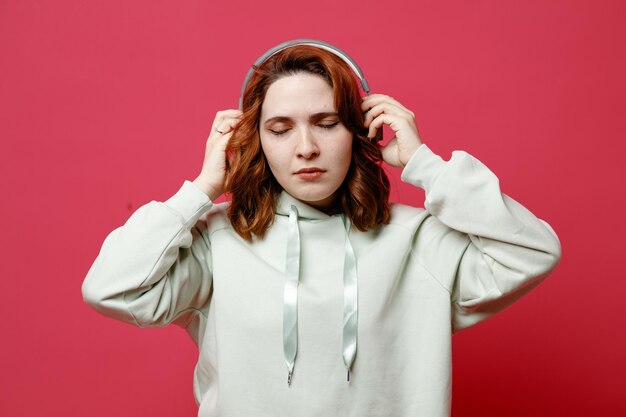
311,42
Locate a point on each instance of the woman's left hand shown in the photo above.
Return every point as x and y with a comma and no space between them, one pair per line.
382,109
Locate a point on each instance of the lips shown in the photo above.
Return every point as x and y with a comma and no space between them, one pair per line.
310,170
310,174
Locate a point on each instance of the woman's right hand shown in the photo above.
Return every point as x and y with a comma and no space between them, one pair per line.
211,178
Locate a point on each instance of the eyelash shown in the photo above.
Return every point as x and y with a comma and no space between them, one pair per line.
328,127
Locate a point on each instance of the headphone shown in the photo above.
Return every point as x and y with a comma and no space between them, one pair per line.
311,42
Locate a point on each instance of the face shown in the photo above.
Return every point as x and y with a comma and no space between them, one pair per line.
308,149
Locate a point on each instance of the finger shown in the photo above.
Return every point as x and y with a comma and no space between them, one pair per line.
377,124
219,140
389,107
229,112
222,115
395,122
225,123
223,132
385,107
390,153
374,99
227,126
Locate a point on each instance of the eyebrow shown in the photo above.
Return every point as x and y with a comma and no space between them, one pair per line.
313,118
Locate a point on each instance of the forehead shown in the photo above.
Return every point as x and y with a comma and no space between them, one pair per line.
296,95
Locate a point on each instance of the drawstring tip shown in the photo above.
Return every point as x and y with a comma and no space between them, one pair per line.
289,379
348,376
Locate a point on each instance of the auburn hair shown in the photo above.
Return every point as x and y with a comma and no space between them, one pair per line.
364,193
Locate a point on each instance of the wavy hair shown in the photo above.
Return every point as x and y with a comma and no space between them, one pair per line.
364,193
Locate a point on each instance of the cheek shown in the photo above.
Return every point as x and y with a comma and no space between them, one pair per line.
275,156
343,152
266,147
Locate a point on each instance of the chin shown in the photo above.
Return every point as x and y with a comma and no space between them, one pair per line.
319,201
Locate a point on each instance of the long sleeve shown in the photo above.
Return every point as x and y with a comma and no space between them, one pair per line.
156,267
484,247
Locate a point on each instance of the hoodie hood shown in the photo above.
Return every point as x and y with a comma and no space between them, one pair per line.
305,211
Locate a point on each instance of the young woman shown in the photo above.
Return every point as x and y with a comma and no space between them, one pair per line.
308,293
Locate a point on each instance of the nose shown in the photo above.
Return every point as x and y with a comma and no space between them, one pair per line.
307,145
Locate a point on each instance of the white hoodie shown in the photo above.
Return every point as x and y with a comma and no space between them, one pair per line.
427,274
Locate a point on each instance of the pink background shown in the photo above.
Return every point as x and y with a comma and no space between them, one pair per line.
106,105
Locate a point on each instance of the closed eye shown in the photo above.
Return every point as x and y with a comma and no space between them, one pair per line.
278,132
329,126
322,125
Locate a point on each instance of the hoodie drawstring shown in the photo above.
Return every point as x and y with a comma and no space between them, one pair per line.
350,304
290,301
